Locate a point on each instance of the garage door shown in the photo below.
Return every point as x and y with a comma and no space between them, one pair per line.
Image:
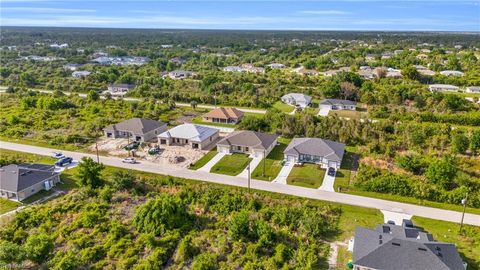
332,164
224,150
291,158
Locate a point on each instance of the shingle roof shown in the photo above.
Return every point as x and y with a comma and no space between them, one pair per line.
253,139
190,132
337,102
318,147
298,97
398,247
225,113
136,125
14,178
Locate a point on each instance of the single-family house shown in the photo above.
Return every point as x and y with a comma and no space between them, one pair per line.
387,55
196,136
297,99
18,182
454,73
424,71
252,143
223,115
442,88
232,69
71,67
422,56
180,74
119,88
137,129
392,247
315,150
370,57
276,66
177,60
338,104
473,89
80,74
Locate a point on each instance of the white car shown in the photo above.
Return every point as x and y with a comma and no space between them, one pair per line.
130,160
57,155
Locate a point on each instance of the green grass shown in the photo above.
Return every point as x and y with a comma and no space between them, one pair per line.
231,164
468,243
7,205
343,257
283,107
308,175
342,179
273,163
40,143
203,160
348,114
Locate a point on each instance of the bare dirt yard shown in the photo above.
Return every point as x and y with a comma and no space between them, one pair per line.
181,156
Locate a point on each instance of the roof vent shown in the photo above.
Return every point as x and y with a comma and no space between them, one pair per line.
380,242
438,248
380,236
396,244
422,249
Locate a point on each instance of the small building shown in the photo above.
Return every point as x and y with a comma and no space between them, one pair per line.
338,104
453,73
473,89
119,88
297,99
315,150
443,88
71,67
424,71
252,143
179,74
80,74
422,56
223,115
370,57
18,182
232,69
177,60
137,129
276,66
392,247
197,136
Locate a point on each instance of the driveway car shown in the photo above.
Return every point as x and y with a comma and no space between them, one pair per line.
331,171
64,161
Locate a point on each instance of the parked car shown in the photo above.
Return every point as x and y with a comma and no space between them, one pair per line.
57,155
64,161
154,151
131,146
130,160
331,171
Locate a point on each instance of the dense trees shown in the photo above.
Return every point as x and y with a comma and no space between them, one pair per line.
89,173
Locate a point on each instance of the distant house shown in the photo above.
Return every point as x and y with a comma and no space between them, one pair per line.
59,46
71,67
119,88
297,99
422,56
251,69
403,246
80,74
276,66
443,87
454,73
223,115
252,143
315,150
473,89
18,182
177,60
179,74
197,136
387,55
338,104
232,69
424,71
137,129
306,72
370,57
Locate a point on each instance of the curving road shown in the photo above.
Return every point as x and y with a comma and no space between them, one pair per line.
410,209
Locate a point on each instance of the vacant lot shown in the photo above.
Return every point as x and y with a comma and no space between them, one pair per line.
307,175
231,164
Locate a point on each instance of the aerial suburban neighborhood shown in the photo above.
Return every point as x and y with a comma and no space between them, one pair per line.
240,135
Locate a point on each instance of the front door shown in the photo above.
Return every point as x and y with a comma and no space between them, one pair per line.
195,145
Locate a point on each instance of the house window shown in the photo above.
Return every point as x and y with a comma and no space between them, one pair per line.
33,190
246,149
239,148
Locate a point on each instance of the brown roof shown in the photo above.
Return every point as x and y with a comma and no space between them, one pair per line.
224,113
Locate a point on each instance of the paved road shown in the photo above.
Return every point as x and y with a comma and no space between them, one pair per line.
180,104
410,209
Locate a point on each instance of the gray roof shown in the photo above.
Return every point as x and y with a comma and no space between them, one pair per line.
136,125
14,178
253,139
399,247
122,85
298,97
190,132
318,147
337,102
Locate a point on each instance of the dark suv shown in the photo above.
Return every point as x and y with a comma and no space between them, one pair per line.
331,171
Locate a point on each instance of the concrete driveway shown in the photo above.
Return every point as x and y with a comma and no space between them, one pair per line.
207,167
324,110
253,164
328,182
283,174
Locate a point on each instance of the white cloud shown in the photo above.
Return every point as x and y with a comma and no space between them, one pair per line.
326,12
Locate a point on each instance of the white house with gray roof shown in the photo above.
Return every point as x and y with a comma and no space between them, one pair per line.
315,150
392,247
338,104
297,99
252,143
18,182
443,88
197,136
137,129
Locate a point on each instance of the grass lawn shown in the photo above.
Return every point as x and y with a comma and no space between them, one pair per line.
349,114
308,175
283,107
7,205
231,164
273,162
468,244
342,178
203,160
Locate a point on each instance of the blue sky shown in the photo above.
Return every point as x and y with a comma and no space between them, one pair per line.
427,15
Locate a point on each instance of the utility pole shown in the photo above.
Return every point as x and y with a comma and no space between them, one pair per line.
464,202
264,157
248,168
96,148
